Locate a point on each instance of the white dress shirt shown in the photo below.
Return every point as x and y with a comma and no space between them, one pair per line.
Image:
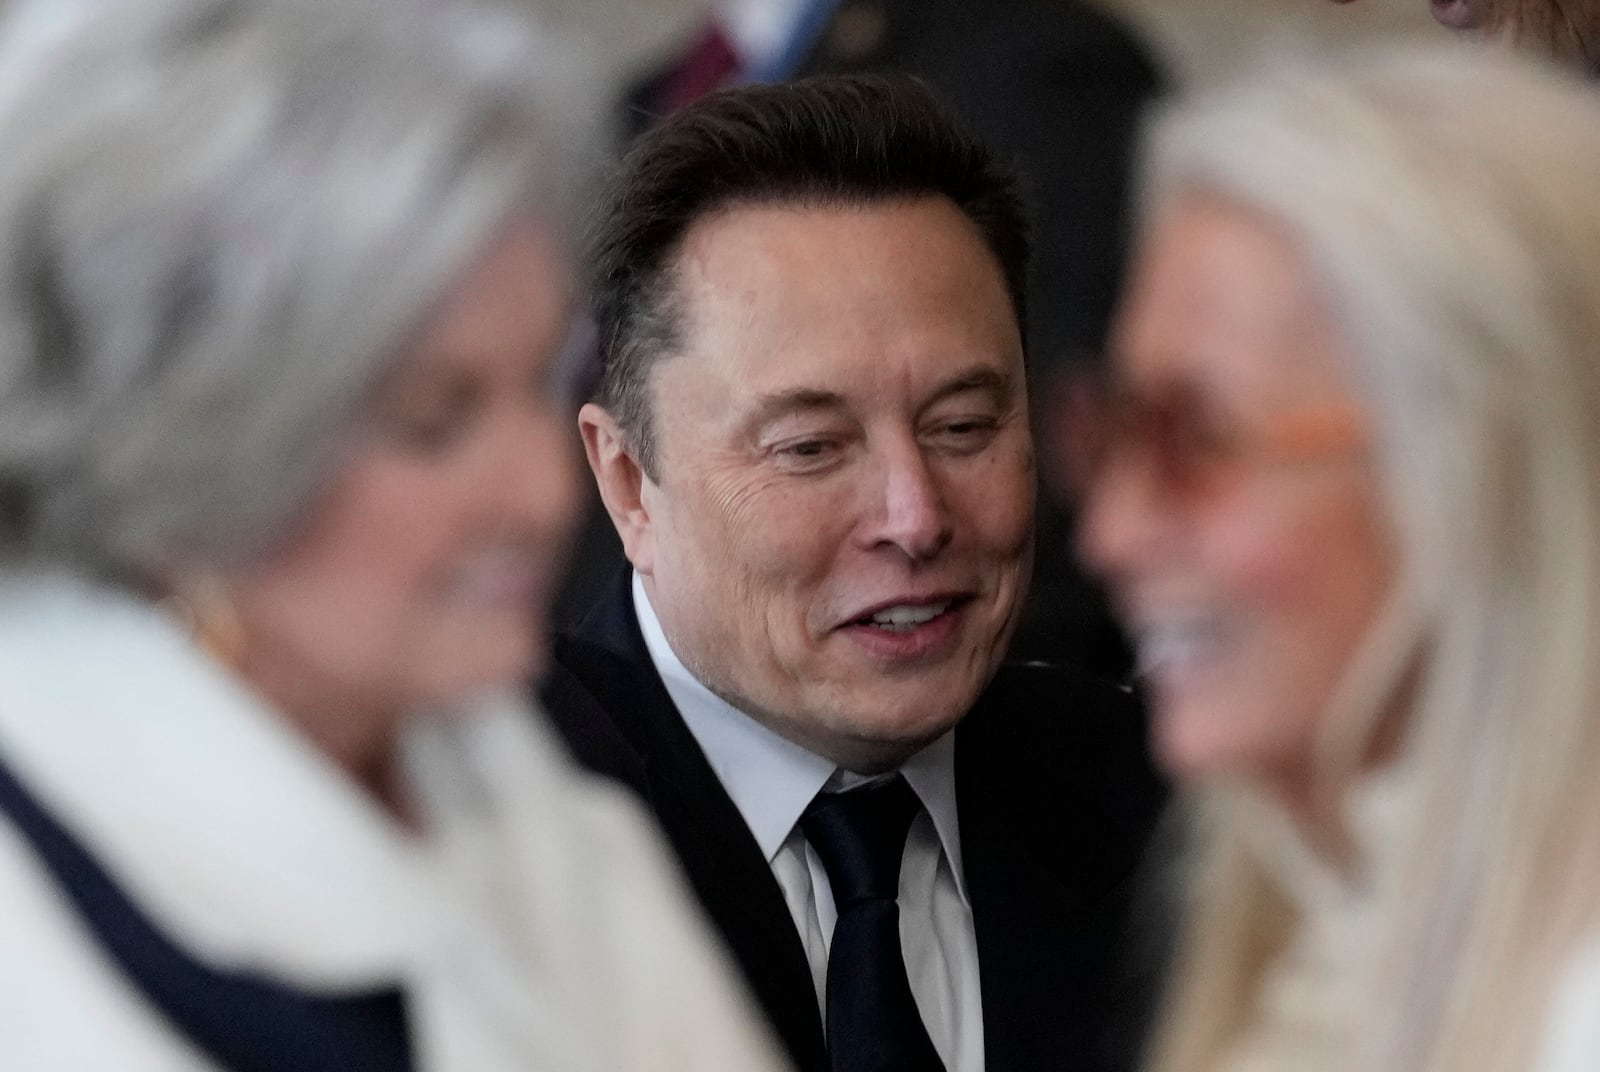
772,779
760,30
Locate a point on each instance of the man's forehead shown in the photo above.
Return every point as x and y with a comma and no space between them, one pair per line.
806,296
771,250
765,223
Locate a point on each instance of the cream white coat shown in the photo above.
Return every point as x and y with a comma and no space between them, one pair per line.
535,925
1572,1042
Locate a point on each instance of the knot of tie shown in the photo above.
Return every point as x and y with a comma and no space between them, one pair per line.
860,837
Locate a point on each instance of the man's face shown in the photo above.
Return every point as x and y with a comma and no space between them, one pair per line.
842,527
1568,30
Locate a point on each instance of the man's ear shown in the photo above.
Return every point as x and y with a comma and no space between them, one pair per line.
621,480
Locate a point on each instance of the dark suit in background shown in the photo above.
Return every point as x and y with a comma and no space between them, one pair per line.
1055,802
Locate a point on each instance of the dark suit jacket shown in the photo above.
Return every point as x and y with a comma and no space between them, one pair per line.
1055,802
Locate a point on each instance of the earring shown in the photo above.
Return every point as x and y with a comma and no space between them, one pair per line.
206,611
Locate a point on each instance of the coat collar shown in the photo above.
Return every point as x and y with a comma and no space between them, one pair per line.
234,831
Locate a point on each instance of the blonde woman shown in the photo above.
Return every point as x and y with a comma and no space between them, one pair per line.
1350,508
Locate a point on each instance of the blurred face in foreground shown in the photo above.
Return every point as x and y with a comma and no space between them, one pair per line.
837,538
421,574
1234,511
1568,30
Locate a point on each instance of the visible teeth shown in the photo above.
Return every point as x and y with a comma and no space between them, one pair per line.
1176,647
909,616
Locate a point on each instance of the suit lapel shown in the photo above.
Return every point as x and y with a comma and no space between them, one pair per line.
1048,913
719,854
993,812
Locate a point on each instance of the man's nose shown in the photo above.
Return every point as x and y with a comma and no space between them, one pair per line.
911,512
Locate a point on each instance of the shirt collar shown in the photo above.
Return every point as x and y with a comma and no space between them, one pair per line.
770,778
932,774
758,29
772,37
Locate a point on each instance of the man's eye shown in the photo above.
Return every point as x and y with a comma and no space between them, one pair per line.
966,432
807,454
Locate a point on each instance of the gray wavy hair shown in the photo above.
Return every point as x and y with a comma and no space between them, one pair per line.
1444,202
219,221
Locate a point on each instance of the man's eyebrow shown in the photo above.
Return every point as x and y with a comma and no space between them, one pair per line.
775,404
794,400
990,381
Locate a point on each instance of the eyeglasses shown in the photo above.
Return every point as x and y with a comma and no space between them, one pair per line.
1191,449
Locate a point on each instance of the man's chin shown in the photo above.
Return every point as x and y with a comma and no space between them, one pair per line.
896,734
880,754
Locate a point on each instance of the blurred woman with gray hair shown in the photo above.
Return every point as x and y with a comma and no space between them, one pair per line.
283,485
1350,506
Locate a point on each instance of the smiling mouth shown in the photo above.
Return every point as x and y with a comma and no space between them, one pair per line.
908,617
1458,14
1175,648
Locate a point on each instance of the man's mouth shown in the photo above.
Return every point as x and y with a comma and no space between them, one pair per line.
904,617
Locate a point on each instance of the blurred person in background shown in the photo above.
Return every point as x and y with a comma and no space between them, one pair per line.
283,486
1055,87
1567,30
1349,506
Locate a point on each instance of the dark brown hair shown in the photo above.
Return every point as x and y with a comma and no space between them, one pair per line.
829,140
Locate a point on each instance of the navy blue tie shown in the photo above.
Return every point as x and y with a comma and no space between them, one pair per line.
872,1019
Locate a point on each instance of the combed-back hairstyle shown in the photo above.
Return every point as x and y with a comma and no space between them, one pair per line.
220,221
1444,204
823,141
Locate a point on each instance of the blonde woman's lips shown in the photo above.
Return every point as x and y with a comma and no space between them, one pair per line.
1459,14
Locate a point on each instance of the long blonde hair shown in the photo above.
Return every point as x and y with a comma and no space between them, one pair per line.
1447,203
